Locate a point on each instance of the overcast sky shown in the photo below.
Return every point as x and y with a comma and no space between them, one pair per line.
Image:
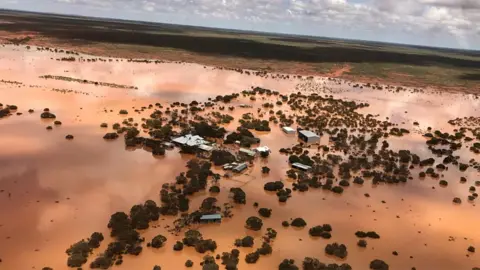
443,23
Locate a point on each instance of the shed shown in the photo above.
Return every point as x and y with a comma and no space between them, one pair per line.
205,147
308,136
301,166
240,168
288,130
211,218
247,151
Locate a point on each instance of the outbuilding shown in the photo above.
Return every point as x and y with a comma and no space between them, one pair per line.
206,148
240,168
247,151
288,130
308,136
213,218
301,166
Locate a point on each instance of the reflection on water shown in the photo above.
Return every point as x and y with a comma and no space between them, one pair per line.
55,192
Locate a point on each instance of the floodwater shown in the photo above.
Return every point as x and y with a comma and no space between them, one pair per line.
55,192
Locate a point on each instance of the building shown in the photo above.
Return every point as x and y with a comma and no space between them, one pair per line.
301,166
190,140
206,148
213,218
308,136
168,145
263,149
248,152
288,130
240,168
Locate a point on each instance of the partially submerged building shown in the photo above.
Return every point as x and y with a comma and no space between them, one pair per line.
263,149
288,130
190,140
240,168
301,166
308,136
247,152
212,218
206,148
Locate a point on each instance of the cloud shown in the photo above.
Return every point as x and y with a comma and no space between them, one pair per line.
414,19
457,4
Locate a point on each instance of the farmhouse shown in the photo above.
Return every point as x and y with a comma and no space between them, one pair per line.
189,140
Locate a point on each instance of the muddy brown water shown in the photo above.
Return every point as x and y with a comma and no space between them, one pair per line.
56,192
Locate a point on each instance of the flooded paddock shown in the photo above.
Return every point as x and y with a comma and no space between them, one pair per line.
55,192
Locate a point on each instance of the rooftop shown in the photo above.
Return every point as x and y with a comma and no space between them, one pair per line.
308,133
205,147
212,216
190,140
247,151
263,149
301,166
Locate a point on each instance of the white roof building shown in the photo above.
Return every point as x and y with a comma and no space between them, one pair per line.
301,166
190,140
308,136
205,147
248,152
288,130
263,149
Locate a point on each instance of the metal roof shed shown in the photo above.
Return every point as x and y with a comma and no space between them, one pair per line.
308,136
288,130
205,147
248,152
211,218
240,168
301,166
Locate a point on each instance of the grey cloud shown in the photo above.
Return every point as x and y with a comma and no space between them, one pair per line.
460,4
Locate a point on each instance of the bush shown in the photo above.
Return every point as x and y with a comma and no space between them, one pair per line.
265,212
378,265
287,265
252,257
273,186
214,189
178,246
47,115
158,241
222,157
337,189
254,223
111,136
298,222
337,250
362,243
188,263
123,112
247,241
239,196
